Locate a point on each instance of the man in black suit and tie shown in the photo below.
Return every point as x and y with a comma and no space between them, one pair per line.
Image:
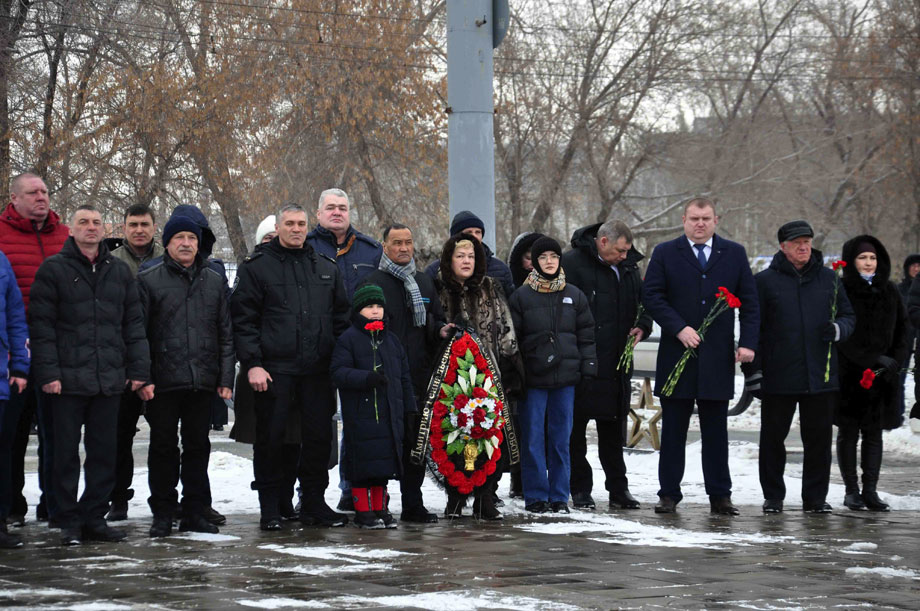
681,283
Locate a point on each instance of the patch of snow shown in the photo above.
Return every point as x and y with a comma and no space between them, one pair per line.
280,603
455,601
98,606
883,571
36,592
862,546
207,537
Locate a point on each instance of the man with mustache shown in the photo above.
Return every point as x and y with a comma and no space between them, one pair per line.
187,317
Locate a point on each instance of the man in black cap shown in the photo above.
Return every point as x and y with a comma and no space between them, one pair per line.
470,224
796,329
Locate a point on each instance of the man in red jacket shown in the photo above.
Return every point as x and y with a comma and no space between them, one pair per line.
30,232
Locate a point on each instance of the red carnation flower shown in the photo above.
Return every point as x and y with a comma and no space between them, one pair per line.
868,378
479,478
489,467
496,454
460,401
376,325
447,468
450,377
438,456
498,406
439,411
455,479
461,420
458,349
481,363
478,433
465,488
734,302
479,393
479,415
838,265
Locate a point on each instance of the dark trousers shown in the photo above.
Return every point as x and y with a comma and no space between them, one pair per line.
314,397
98,416
609,449
20,414
870,455
675,421
46,452
166,467
129,411
8,424
816,417
410,484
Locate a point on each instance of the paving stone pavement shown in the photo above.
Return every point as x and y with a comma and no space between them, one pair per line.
587,560
791,560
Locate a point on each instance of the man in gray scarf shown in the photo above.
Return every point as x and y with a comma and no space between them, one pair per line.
417,320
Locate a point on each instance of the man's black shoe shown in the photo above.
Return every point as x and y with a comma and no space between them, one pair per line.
161,527
368,520
559,507
874,502
41,512
419,515
211,515
320,515
269,524
666,505
722,505
583,500
286,509
103,532
8,541
817,507
854,501
118,511
198,524
71,536
773,506
17,520
388,520
537,507
623,500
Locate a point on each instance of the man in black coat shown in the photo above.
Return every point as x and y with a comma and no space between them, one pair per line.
187,317
88,343
911,270
416,319
288,308
604,265
681,283
796,329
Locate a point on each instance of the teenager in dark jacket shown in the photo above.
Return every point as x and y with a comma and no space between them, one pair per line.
370,369
604,264
191,346
14,371
87,339
879,341
556,331
288,308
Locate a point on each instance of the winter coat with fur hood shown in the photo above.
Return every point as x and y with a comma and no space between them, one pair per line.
880,330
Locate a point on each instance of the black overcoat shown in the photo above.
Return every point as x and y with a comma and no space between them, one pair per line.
679,292
613,302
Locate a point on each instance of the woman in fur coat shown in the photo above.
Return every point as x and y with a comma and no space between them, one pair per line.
879,342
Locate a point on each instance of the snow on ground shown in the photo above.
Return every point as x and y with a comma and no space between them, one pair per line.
882,571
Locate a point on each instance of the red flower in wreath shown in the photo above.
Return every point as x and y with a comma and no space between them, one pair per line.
462,420
458,349
868,378
481,363
479,478
439,411
460,401
439,455
479,393
450,378
479,415
478,433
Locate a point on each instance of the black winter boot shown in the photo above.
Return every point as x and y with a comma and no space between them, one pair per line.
847,437
484,505
455,504
871,467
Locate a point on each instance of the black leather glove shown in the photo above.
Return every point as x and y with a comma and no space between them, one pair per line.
377,380
892,367
752,384
829,332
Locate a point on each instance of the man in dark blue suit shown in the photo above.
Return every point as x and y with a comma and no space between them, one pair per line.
681,283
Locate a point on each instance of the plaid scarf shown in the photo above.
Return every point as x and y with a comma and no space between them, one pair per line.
406,274
545,285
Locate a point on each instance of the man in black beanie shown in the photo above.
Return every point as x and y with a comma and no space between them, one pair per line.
468,223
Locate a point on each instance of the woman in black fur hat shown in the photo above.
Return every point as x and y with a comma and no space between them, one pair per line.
878,342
